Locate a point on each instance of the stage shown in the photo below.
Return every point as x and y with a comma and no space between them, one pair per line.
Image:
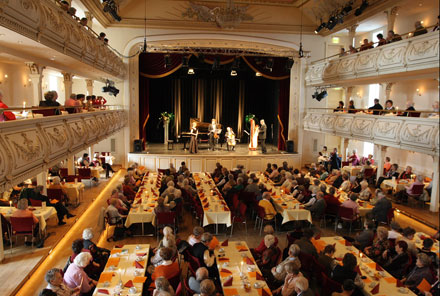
158,156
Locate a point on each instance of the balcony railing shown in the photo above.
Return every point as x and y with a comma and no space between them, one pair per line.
44,21
397,58
30,146
408,133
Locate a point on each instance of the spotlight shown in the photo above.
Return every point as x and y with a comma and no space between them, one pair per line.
347,9
361,9
167,61
236,63
110,88
233,73
216,64
301,51
319,95
331,23
191,71
269,64
185,61
111,7
258,74
321,26
289,64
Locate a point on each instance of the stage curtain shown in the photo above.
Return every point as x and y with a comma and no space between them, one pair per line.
283,113
209,59
240,119
218,97
152,65
278,72
200,99
144,106
177,106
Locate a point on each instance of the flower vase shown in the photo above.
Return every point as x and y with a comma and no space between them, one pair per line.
166,124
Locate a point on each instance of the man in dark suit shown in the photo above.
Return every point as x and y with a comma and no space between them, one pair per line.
206,257
380,210
212,129
377,106
335,160
262,135
318,208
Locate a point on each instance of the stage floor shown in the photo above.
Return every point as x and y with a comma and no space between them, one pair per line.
240,150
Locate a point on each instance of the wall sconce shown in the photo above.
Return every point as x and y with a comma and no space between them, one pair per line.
6,75
418,92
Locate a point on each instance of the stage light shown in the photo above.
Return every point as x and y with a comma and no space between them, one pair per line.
191,71
167,61
258,74
319,95
289,64
110,88
216,64
331,23
269,64
347,8
233,73
111,7
321,26
361,9
185,61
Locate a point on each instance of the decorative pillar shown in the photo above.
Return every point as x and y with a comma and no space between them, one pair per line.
42,180
67,85
379,157
71,165
391,17
348,93
89,17
296,105
36,76
352,34
388,89
89,83
435,186
344,146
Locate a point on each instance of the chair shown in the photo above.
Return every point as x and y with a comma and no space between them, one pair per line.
35,202
6,227
108,222
261,218
175,282
368,174
199,212
241,218
85,174
306,262
329,286
346,215
345,163
71,178
165,219
179,290
417,191
55,194
390,215
193,263
45,112
63,172
22,226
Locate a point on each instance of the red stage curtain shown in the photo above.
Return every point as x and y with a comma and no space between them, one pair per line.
283,113
258,64
144,106
152,65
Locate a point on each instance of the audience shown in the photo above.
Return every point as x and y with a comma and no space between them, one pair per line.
75,275
195,282
375,107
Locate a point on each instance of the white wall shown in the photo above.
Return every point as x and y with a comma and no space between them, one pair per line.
16,87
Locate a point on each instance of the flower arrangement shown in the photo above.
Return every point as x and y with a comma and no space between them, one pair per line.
166,117
249,117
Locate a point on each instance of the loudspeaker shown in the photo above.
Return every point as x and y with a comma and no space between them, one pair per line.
290,146
137,145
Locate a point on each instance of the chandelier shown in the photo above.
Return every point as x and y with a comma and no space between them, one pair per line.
228,17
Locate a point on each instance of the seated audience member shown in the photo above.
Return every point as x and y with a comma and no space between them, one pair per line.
395,230
338,180
387,164
112,212
342,52
292,273
169,242
351,203
269,256
346,184
75,275
50,100
194,282
100,255
406,174
323,174
389,175
317,209
169,190
382,41
302,287
419,29
120,205
282,178
380,244
409,107
305,244
340,107
23,212
365,238
207,288
61,209
266,204
331,199
161,207
229,185
427,246
162,285
279,272
347,271
206,257
381,208
420,271
366,45
402,195
408,237
73,103
348,288
365,193
268,170
128,189
167,268
354,158
397,261
351,107
393,37
195,237
315,187
182,168
326,259
55,283
252,187
258,251
56,184
275,174
375,107
189,188
389,108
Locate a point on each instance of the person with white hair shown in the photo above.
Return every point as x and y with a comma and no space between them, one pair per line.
302,287
168,241
269,257
100,255
195,237
252,187
279,272
170,189
162,286
55,283
75,275
194,282
187,186
56,184
354,158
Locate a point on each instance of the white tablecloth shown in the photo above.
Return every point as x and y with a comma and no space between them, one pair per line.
399,185
125,269
214,206
366,265
235,265
40,213
75,191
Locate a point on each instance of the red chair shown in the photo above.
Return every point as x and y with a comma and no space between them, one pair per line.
165,219
35,202
346,215
45,112
71,178
179,290
199,212
235,201
368,174
175,282
262,217
306,262
417,191
241,218
22,226
345,163
85,174
63,172
187,288
193,263
6,227
329,286
55,194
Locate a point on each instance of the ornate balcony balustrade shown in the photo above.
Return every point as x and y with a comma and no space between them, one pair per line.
419,53
408,133
27,147
44,21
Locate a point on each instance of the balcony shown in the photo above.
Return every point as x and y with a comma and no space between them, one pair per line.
409,57
408,133
45,22
29,146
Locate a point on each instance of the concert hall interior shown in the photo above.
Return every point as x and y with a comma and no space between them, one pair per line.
219,147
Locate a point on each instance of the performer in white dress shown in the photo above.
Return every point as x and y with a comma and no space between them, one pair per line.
253,143
230,139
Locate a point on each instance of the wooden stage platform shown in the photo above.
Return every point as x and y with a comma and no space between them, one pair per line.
157,156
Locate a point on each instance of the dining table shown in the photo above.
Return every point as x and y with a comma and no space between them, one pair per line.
124,273
239,272
42,213
399,184
353,170
75,190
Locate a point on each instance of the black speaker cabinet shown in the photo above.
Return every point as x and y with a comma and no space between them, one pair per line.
290,146
137,145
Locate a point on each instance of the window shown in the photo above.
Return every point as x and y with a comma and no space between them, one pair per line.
368,149
373,93
53,82
375,34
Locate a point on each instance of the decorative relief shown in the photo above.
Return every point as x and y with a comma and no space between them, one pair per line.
26,149
386,129
343,124
417,134
57,138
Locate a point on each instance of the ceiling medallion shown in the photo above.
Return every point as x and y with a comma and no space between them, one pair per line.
228,17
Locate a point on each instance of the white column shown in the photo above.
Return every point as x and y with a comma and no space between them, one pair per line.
296,106
36,77
435,186
89,83
42,180
71,165
391,17
89,17
348,93
379,157
352,34
344,145
67,84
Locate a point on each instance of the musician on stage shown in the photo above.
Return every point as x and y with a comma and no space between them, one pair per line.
230,139
213,136
262,135
193,142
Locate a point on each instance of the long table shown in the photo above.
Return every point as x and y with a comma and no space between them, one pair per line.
387,283
232,262
399,185
75,191
354,170
285,204
215,209
39,212
142,210
122,271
